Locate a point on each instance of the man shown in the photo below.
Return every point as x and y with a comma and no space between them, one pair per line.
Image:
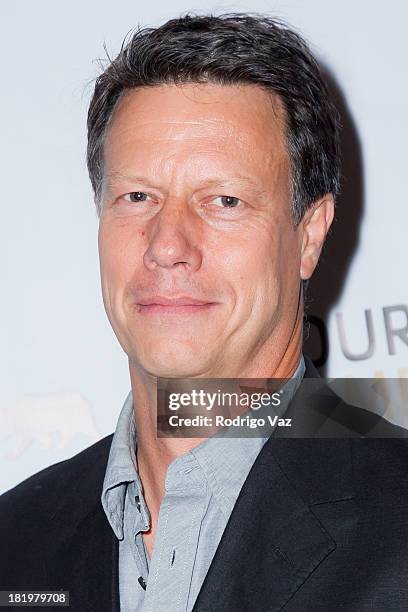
213,154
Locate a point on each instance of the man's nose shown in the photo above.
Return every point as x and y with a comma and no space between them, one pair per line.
173,238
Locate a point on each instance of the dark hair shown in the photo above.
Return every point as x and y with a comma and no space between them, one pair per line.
231,49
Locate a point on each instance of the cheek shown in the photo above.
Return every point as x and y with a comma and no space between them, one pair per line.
118,253
264,255
266,268
250,265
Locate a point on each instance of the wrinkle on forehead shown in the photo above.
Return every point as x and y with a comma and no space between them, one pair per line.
188,122
160,129
215,108
157,125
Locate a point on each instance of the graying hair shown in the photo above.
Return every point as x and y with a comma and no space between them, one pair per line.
230,49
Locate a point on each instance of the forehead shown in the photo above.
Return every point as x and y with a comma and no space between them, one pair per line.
242,123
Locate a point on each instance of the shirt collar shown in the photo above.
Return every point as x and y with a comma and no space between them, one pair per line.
225,477
121,469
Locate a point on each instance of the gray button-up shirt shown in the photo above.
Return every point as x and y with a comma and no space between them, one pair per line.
201,489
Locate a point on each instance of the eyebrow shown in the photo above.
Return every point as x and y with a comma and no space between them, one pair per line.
112,178
115,177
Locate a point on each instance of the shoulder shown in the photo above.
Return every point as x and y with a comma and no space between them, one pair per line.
383,463
372,471
41,513
323,413
43,492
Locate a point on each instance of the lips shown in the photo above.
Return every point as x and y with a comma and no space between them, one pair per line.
179,301
182,305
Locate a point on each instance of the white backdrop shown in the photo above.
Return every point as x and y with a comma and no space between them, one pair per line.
63,375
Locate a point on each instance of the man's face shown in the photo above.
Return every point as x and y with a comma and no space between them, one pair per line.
197,206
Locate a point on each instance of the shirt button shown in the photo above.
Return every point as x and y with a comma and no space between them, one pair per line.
142,582
137,500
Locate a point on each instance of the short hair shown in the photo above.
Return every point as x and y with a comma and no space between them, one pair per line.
231,49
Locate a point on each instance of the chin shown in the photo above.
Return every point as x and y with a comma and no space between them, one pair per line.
174,364
178,370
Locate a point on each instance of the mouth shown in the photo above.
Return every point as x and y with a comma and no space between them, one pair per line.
173,306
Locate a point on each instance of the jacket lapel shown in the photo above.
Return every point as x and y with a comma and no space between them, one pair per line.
273,541
271,545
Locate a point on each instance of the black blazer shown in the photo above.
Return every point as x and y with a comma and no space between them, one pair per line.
326,528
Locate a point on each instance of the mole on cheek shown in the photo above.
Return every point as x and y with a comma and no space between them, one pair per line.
142,233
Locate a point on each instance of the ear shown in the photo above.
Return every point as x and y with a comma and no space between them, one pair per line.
314,227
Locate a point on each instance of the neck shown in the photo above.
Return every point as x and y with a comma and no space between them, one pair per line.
154,454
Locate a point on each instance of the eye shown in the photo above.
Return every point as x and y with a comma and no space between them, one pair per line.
228,201
136,196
